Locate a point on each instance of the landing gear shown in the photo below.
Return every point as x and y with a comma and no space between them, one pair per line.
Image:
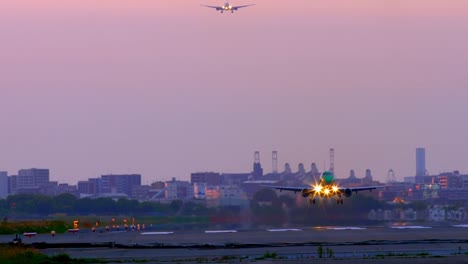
312,201
339,201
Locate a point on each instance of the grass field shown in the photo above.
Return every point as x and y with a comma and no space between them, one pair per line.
23,255
39,226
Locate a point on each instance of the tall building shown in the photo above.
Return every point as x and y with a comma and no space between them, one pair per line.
83,187
32,178
12,184
3,184
119,183
420,162
91,186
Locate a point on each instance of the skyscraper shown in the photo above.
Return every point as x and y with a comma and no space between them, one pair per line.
3,184
420,161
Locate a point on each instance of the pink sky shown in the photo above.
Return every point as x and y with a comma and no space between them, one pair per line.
166,87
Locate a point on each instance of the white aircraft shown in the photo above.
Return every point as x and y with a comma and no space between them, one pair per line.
227,7
325,188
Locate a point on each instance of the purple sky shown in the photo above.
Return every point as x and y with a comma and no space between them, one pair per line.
165,88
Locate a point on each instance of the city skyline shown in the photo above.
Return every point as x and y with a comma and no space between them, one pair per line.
420,170
168,88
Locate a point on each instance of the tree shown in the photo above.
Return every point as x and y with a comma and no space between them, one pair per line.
124,205
266,208
43,205
265,195
64,203
104,205
83,206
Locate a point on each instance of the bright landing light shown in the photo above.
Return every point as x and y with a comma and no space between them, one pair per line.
318,188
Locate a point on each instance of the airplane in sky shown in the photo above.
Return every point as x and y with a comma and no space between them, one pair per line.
326,188
227,7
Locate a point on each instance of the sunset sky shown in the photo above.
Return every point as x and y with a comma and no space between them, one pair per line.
167,87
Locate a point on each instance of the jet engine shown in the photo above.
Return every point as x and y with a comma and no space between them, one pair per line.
305,192
347,192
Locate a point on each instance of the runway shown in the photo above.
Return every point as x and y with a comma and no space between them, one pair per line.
346,242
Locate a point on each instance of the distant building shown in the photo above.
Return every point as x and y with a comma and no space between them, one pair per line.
3,184
199,190
230,195
420,162
409,179
450,180
121,183
464,180
235,178
368,177
83,187
178,190
12,184
140,192
159,185
351,181
209,178
32,178
50,189
66,188
89,187
94,185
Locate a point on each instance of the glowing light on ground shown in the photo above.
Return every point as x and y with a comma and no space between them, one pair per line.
346,228
157,233
465,226
410,227
284,230
220,231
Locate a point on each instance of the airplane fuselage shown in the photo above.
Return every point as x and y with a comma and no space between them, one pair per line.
227,7
325,188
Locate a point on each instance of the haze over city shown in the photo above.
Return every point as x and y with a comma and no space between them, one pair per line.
165,88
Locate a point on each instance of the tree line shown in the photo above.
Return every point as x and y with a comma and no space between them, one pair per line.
266,208
41,205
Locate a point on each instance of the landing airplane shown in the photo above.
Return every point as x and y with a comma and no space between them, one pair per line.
227,7
325,188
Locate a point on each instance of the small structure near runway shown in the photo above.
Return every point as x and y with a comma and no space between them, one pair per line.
29,234
73,230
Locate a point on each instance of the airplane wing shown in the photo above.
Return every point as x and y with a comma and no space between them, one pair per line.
358,189
237,7
215,7
342,190
286,188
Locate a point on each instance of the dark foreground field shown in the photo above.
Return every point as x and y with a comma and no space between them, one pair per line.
418,244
